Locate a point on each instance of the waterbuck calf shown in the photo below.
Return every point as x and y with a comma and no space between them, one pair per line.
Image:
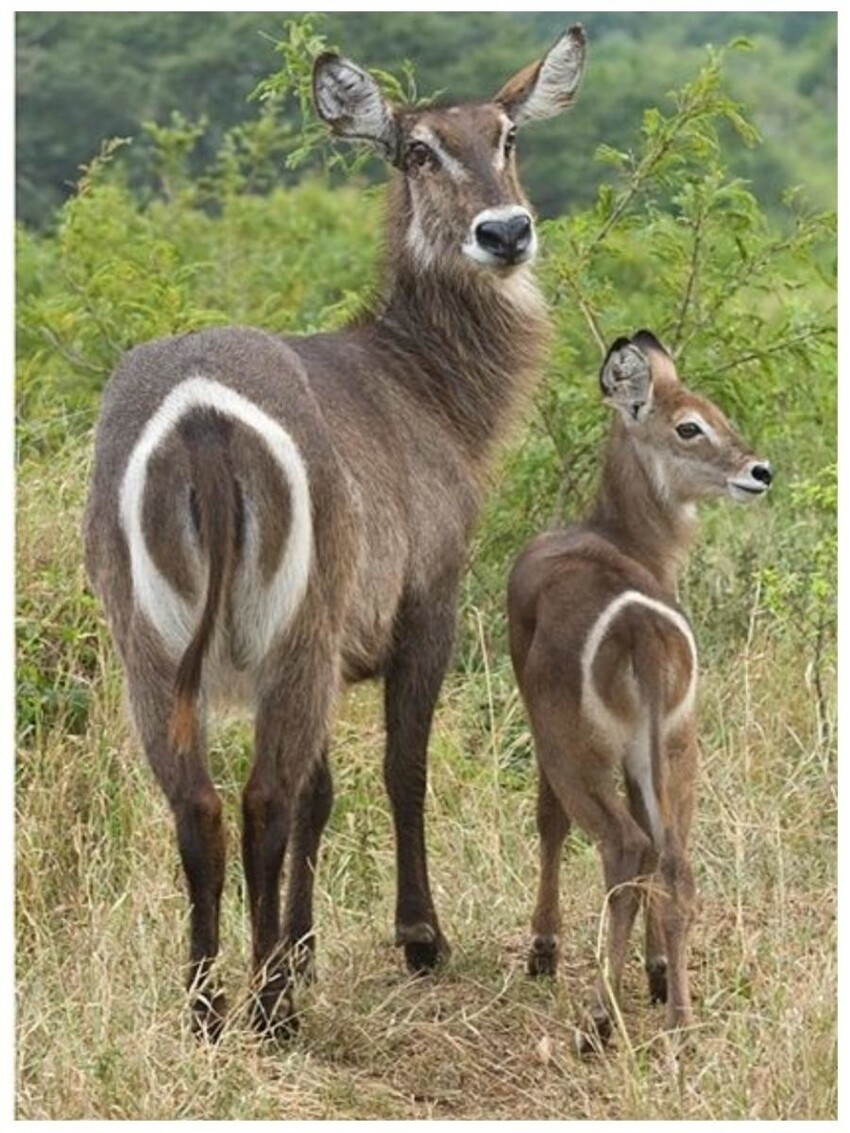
607,667
271,517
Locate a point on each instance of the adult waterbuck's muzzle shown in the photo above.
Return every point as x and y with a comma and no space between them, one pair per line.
502,237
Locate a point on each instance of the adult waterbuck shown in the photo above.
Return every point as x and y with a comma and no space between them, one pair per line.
270,517
607,667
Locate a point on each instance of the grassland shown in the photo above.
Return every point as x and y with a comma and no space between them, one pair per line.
101,917
674,242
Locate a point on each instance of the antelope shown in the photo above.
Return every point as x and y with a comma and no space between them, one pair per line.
272,518
606,664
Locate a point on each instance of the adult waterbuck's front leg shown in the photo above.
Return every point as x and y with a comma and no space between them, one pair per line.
425,635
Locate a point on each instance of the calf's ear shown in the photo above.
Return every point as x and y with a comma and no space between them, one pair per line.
626,381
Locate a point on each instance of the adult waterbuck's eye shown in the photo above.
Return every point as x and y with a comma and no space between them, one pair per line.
688,430
510,141
419,154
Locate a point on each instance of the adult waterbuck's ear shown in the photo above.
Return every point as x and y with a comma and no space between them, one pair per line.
349,100
626,380
545,88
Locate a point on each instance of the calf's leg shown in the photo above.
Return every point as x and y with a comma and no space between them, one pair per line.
553,826
584,784
655,954
677,906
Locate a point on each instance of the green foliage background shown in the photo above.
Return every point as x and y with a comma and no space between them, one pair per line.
673,239
85,76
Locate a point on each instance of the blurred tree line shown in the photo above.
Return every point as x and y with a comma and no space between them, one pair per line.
86,76
194,225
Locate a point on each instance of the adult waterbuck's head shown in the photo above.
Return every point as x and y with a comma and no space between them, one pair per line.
458,202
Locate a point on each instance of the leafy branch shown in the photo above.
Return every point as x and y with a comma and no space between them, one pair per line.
298,49
777,347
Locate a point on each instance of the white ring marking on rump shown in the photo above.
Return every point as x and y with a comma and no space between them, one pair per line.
175,619
592,703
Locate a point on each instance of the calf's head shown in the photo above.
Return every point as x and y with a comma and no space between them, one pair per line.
689,447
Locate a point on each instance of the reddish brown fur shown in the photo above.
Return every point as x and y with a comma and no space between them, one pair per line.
588,711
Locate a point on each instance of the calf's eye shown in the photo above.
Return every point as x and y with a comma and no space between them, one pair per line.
688,430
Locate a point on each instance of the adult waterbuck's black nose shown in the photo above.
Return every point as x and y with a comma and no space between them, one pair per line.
506,238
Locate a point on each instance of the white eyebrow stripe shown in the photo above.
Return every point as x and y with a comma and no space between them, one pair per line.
499,160
452,166
698,419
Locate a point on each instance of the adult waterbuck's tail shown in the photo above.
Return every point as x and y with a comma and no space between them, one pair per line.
216,511
314,526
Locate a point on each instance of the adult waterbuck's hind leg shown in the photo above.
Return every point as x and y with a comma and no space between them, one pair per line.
312,810
196,806
553,825
290,739
424,636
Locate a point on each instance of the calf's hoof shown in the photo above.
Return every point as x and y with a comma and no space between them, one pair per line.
425,947
596,1033
543,956
656,975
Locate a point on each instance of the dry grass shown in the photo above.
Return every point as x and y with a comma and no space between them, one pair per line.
101,917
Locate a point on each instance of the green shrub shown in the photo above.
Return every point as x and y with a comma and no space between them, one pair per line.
673,242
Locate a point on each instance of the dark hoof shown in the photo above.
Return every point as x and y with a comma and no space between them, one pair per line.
208,1014
656,974
596,1035
301,960
273,1014
543,957
424,947
683,1043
